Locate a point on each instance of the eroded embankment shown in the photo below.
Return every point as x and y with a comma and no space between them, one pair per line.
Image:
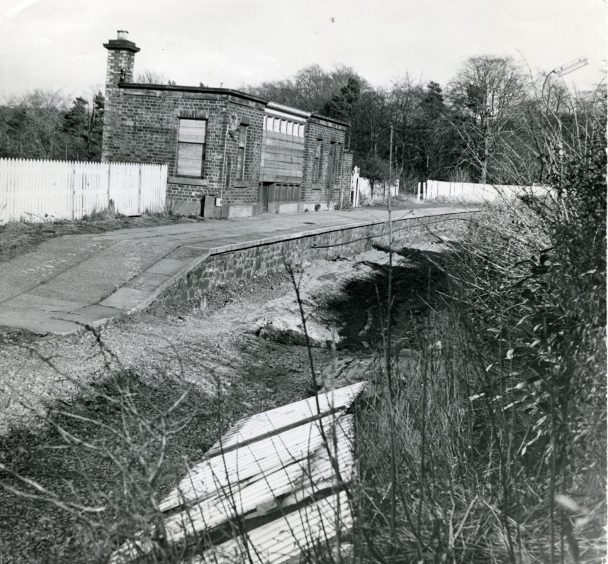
215,351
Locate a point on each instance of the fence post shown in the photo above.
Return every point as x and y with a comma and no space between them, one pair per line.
139,191
73,191
109,165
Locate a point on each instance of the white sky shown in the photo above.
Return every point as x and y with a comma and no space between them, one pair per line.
57,44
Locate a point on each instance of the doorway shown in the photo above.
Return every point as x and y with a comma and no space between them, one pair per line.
264,196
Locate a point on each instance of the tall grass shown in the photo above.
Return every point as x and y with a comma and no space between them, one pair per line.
501,424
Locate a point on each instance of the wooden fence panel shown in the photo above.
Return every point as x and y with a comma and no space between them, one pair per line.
474,193
35,190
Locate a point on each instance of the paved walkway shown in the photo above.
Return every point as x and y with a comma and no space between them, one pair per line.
76,280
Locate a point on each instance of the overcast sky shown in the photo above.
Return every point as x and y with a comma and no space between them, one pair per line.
57,44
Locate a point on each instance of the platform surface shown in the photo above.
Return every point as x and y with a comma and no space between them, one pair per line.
77,280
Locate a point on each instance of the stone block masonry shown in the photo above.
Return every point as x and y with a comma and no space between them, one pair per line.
240,263
142,124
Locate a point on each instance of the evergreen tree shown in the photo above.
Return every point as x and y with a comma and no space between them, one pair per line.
76,127
95,130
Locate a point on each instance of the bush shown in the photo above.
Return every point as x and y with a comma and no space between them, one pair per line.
493,448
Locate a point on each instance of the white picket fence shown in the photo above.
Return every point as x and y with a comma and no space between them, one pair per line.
36,190
470,192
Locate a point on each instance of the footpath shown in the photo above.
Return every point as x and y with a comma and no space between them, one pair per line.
77,280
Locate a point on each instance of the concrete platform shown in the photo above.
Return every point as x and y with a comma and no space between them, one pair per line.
77,280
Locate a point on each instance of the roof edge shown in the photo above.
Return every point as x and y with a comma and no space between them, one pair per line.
333,120
288,109
203,89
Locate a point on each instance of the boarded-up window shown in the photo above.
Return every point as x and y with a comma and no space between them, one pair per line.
331,164
191,147
240,155
318,163
338,163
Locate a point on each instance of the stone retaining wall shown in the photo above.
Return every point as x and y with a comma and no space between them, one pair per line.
227,267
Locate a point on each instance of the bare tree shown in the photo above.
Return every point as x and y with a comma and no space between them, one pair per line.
33,125
486,94
152,77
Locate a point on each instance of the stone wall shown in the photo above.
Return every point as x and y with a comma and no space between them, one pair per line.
224,268
318,192
141,124
347,170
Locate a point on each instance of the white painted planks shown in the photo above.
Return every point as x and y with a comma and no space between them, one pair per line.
278,477
36,190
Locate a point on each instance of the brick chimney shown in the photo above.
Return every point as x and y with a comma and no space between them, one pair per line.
121,56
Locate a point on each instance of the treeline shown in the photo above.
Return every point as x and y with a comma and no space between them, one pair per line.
47,125
488,124
491,123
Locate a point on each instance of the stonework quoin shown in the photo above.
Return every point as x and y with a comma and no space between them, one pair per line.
250,164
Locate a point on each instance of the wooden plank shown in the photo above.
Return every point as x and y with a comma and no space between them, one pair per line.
38,190
274,471
285,168
286,141
287,537
245,463
279,160
282,164
280,150
276,490
279,418
283,171
283,159
281,179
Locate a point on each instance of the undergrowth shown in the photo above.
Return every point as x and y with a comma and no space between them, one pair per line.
501,426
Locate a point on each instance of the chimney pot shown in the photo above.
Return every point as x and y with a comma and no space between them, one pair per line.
122,34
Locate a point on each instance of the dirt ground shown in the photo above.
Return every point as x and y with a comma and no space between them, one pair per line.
210,350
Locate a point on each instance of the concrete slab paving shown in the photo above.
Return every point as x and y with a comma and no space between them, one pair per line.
36,321
148,281
78,279
127,299
168,266
31,300
90,315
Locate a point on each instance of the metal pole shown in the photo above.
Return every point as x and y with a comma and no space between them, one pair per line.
390,172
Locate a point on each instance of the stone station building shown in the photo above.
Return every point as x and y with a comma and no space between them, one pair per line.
228,153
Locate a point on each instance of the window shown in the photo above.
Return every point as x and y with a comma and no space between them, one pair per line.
240,155
191,147
338,161
318,164
287,127
331,167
